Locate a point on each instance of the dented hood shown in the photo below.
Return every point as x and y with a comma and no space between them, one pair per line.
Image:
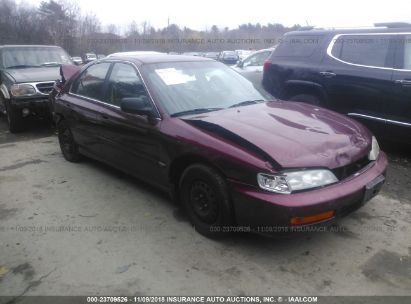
293,135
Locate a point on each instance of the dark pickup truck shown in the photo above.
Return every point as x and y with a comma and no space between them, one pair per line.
27,75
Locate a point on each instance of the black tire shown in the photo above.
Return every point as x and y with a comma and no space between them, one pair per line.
68,146
14,119
206,200
310,99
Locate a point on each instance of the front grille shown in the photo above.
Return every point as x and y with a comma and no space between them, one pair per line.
348,170
45,87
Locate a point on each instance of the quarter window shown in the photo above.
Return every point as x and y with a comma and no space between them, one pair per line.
407,53
369,50
124,82
91,82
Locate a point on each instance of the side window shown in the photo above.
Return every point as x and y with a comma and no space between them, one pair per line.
124,82
369,50
91,82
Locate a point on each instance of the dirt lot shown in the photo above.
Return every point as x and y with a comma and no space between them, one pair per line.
122,237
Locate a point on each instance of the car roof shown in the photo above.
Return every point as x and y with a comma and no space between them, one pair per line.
146,59
135,53
320,31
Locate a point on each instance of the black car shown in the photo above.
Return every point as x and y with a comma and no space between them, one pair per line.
27,76
228,57
364,73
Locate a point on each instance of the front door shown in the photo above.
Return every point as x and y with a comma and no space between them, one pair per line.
82,107
132,142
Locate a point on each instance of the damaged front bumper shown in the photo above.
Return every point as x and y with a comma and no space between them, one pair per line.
261,211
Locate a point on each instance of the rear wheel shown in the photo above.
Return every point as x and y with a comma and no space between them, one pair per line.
68,146
307,98
206,200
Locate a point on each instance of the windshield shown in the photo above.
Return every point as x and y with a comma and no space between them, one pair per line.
187,86
34,57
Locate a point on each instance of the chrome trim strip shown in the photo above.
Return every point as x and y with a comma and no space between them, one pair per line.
335,38
95,100
390,121
34,85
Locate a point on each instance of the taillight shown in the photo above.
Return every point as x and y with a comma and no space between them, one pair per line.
267,64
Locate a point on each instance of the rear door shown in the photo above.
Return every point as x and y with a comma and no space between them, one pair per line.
356,73
83,106
399,103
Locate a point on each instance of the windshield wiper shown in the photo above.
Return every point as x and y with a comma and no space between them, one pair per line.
246,103
195,111
22,66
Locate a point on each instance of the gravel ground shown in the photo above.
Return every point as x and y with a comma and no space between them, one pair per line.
123,237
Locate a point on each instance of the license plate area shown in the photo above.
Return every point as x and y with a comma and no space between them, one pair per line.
373,187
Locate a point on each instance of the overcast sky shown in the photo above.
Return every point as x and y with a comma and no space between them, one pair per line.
203,14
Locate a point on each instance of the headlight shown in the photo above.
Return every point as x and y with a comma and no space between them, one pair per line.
287,182
19,90
375,149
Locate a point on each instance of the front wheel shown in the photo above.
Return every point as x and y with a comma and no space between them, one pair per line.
205,197
68,146
14,119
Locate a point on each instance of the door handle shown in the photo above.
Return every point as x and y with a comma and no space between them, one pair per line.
104,116
328,74
403,82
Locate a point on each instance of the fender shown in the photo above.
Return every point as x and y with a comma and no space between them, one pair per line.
289,84
4,91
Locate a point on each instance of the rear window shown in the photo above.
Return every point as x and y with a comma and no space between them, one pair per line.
369,50
297,46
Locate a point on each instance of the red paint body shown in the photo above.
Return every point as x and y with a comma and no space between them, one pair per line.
238,142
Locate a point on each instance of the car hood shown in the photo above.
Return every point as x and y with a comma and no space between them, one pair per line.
34,74
289,134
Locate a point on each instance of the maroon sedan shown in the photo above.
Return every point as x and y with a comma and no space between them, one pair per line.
234,157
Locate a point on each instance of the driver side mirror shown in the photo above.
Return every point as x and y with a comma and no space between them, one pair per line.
136,105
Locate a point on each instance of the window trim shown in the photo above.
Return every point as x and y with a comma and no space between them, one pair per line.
335,37
112,62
